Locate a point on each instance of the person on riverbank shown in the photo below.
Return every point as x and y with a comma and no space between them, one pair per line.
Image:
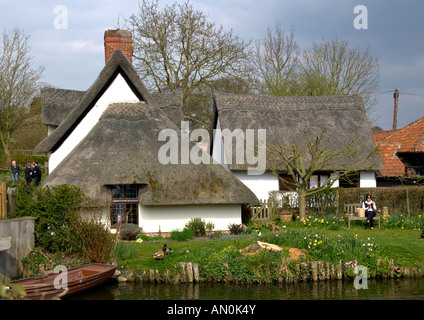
28,170
16,169
370,210
36,173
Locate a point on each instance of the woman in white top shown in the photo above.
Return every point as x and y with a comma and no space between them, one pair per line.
370,210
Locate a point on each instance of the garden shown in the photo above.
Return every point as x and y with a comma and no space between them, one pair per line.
65,237
319,238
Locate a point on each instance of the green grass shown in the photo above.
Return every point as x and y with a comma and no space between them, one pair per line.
139,256
405,247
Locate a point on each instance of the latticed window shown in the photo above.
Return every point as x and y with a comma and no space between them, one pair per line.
124,207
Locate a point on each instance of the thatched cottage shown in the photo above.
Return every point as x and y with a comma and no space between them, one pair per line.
285,119
105,141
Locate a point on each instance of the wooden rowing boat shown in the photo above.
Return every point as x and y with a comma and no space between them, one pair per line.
79,279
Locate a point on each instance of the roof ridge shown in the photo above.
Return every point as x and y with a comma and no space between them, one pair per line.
117,64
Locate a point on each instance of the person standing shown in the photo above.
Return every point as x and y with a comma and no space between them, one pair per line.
16,169
28,176
36,173
370,210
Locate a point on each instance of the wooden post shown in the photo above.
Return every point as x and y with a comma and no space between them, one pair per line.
396,97
3,202
407,203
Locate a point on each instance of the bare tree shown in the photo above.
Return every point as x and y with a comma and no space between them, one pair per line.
303,159
329,67
18,85
178,48
275,58
335,68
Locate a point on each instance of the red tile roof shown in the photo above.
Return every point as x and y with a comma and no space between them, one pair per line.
410,138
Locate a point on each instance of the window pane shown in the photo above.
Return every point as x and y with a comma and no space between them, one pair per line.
117,213
125,191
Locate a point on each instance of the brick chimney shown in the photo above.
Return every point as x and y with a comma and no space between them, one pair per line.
118,40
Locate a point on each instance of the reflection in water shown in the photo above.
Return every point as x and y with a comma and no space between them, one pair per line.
409,289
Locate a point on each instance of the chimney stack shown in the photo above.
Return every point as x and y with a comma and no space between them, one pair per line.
118,40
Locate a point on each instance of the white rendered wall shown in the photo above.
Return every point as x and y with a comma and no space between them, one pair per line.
170,218
260,185
218,152
367,180
118,91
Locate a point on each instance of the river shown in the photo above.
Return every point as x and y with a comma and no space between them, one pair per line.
402,289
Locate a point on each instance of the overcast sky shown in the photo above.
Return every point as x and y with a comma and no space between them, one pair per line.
73,57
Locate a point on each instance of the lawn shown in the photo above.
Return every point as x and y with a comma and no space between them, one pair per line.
139,256
404,246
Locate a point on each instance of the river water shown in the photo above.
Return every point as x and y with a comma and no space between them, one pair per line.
402,289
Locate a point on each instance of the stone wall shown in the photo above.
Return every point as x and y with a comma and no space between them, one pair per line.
21,233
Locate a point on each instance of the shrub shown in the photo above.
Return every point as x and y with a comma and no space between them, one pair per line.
183,235
129,231
235,228
90,237
197,225
209,227
53,207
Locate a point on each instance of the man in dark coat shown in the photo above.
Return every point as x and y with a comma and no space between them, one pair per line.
36,173
16,169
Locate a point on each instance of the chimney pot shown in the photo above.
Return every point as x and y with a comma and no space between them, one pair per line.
118,40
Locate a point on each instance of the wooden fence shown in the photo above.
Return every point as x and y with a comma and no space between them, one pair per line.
3,201
265,212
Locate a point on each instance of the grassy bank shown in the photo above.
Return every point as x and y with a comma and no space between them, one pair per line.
221,259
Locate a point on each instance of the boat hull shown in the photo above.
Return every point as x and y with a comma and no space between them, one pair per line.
79,279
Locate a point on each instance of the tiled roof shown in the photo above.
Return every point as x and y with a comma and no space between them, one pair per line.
410,138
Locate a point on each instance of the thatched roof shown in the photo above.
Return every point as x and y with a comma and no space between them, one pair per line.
286,118
123,147
57,104
118,64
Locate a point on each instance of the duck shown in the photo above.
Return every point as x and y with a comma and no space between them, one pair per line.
166,249
158,255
